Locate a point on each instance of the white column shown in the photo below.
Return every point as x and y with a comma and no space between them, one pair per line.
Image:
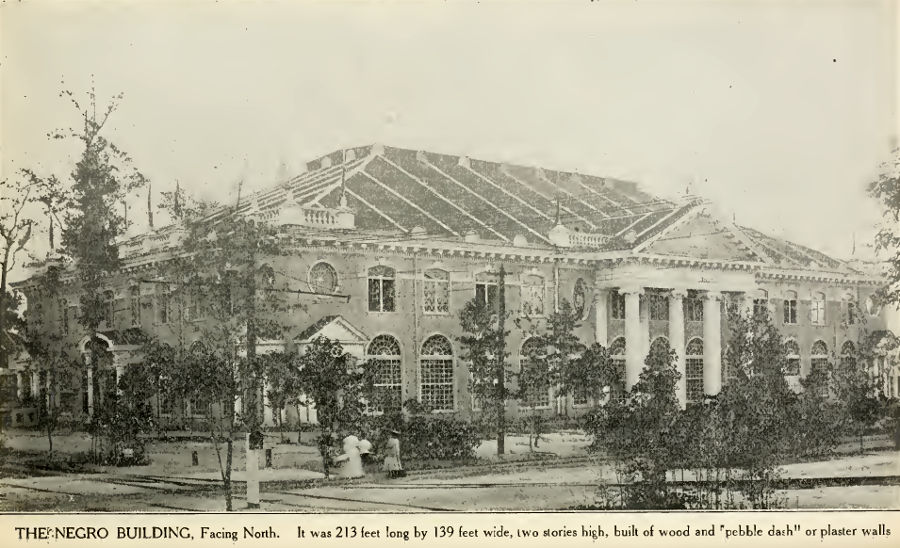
676,340
252,477
36,384
634,346
120,371
20,386
712,343
268,417
600,317
51,393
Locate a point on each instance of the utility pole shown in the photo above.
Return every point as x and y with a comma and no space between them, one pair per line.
501,351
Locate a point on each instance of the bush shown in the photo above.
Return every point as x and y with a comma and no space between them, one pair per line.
439,438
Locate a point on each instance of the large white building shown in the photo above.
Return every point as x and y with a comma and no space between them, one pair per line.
395,241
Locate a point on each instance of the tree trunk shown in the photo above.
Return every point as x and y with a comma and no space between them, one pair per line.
228,457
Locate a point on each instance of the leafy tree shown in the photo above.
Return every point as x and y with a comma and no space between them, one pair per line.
857,389
757,406
340,388
479,351
223,274
886,190
638,432
86,205
818,417
561,350
15,232
13,325
593,373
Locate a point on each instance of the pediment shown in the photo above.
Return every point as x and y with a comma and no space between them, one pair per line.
703,237
336,328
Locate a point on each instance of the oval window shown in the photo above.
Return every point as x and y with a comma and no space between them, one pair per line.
322,278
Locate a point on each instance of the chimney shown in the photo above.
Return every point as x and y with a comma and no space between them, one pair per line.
464,161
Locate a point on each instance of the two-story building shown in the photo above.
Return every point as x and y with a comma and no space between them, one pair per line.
391,243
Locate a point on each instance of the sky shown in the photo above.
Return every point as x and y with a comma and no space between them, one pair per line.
778,112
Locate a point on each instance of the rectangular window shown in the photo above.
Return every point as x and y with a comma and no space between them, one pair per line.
581,396
537,394
659,307
135,307
533,296
387,386
165,307
382,291
760,307
199,406
790,311
693,309
437,292
487,293
617,305
793,366
817,312
437,384
192,307
694,380
852,313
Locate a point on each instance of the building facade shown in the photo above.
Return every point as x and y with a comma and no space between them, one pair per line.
390,244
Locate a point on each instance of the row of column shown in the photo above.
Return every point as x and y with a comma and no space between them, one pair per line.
637,336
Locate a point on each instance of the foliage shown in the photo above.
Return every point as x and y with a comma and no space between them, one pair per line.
886,190
480,352
15,232
637,433
329,378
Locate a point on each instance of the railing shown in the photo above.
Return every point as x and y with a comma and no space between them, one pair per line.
579,239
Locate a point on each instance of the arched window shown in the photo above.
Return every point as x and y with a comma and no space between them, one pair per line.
382,290
579,297
694,371
384,353
323,278
792,355
533,296
135,294
819,355
848,355
817,309
617,354
761,303
790,307
437,374
658,344
437,292
537,393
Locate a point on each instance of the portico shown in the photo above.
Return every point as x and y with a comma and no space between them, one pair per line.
655,306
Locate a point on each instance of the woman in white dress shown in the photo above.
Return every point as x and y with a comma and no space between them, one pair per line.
351,463
392,456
